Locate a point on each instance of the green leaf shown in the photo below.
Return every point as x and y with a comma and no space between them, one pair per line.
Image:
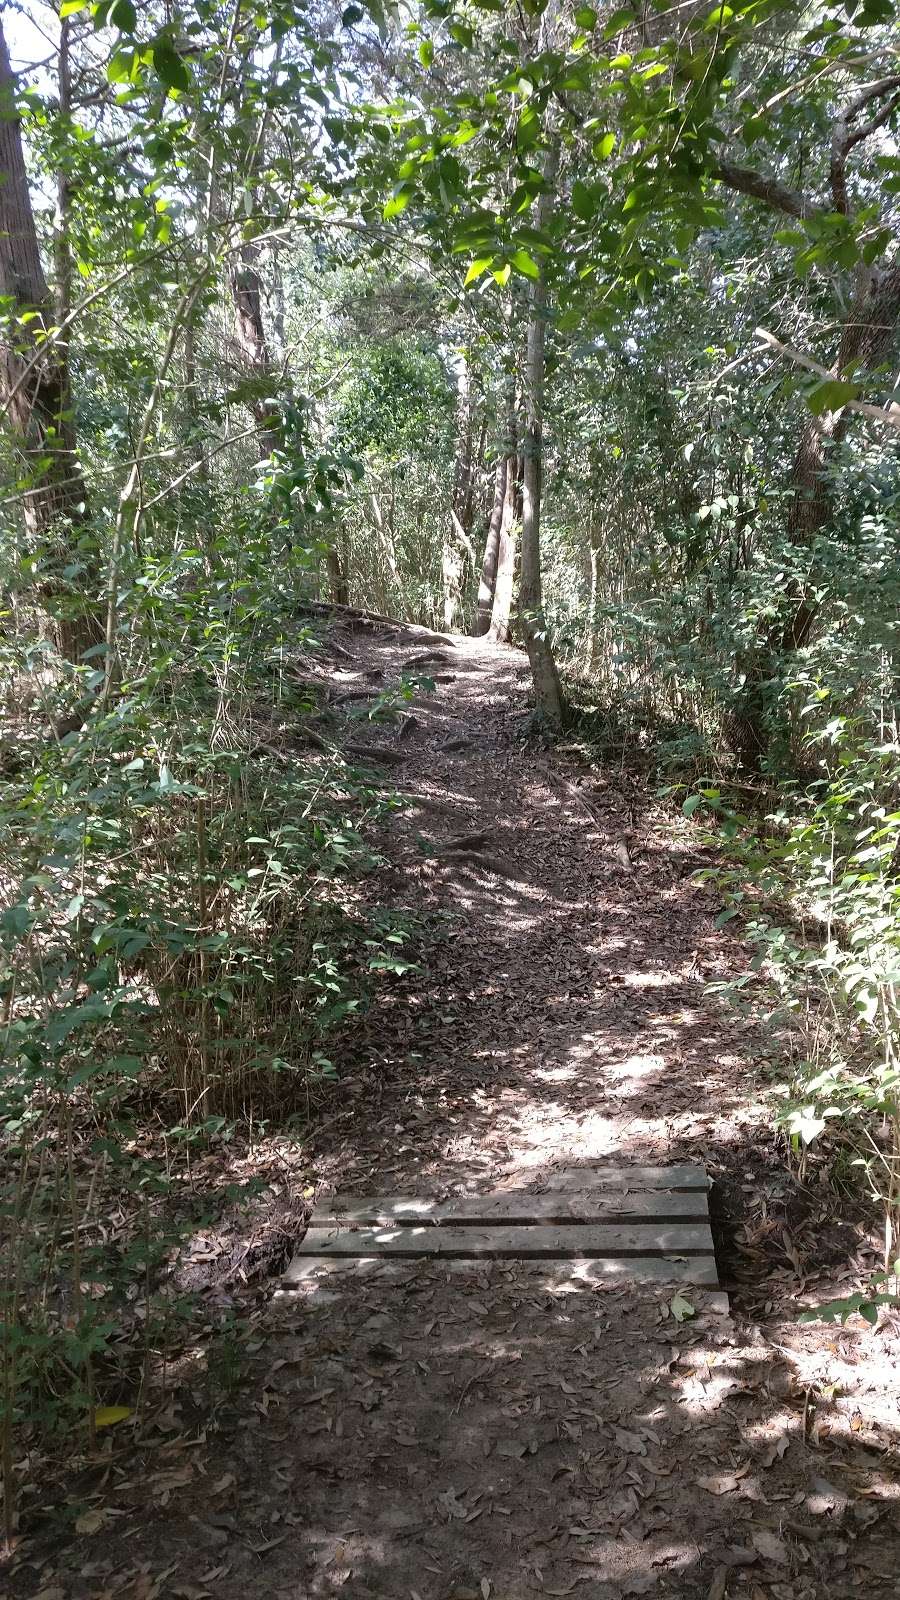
398,202
169,67
582,200
462,34
122,15
476,269
586,18
525,264
603,148
120,66
426,52
831,395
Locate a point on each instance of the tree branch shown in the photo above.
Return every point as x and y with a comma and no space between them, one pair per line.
844,139
889,414
780,196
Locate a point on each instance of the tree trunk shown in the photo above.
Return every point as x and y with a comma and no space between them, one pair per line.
547,692
246,290
34,381
506,553
458,526
491,552
337,577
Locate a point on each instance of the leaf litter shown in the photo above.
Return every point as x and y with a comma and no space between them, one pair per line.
478,1434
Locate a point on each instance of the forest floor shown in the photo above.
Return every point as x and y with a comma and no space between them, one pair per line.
476,1435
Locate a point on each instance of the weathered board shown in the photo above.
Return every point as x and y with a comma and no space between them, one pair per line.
588,1225
687,1176
517,1205
586,1240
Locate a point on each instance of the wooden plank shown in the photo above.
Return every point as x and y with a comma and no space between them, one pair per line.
516,1205
318,1274
588,1240
688,1175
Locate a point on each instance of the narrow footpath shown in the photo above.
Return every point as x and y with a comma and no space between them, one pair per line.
478,1434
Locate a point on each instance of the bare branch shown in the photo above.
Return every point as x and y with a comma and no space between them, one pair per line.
844,138
889,414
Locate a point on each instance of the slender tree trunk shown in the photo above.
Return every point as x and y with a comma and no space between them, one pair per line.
491,552
337,577
591,642
246,290
467,514
507,546
34,381
547,692
458,525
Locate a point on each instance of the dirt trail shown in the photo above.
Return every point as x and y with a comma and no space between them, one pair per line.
476,1436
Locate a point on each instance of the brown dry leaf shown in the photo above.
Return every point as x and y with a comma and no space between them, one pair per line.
777,1450
721,1482
510,1447
90,1522
54,1591
583,1577
260,1549
632,1443
770,1547
453,1505
719,1584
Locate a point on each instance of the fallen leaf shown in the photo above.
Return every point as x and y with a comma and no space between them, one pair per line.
583,1577
776,1450
824,1497
108,1416
720,1482
770,1547
632,1443
90,1522
719,1584
453,1505
681,1309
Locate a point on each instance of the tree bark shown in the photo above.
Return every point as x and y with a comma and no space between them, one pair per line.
246,291
507,544
337,577
34,377
547,691
491,553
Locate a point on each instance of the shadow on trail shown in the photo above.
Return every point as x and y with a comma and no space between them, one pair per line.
444,1436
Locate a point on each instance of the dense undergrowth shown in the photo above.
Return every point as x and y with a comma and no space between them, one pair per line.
182,937
808,837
